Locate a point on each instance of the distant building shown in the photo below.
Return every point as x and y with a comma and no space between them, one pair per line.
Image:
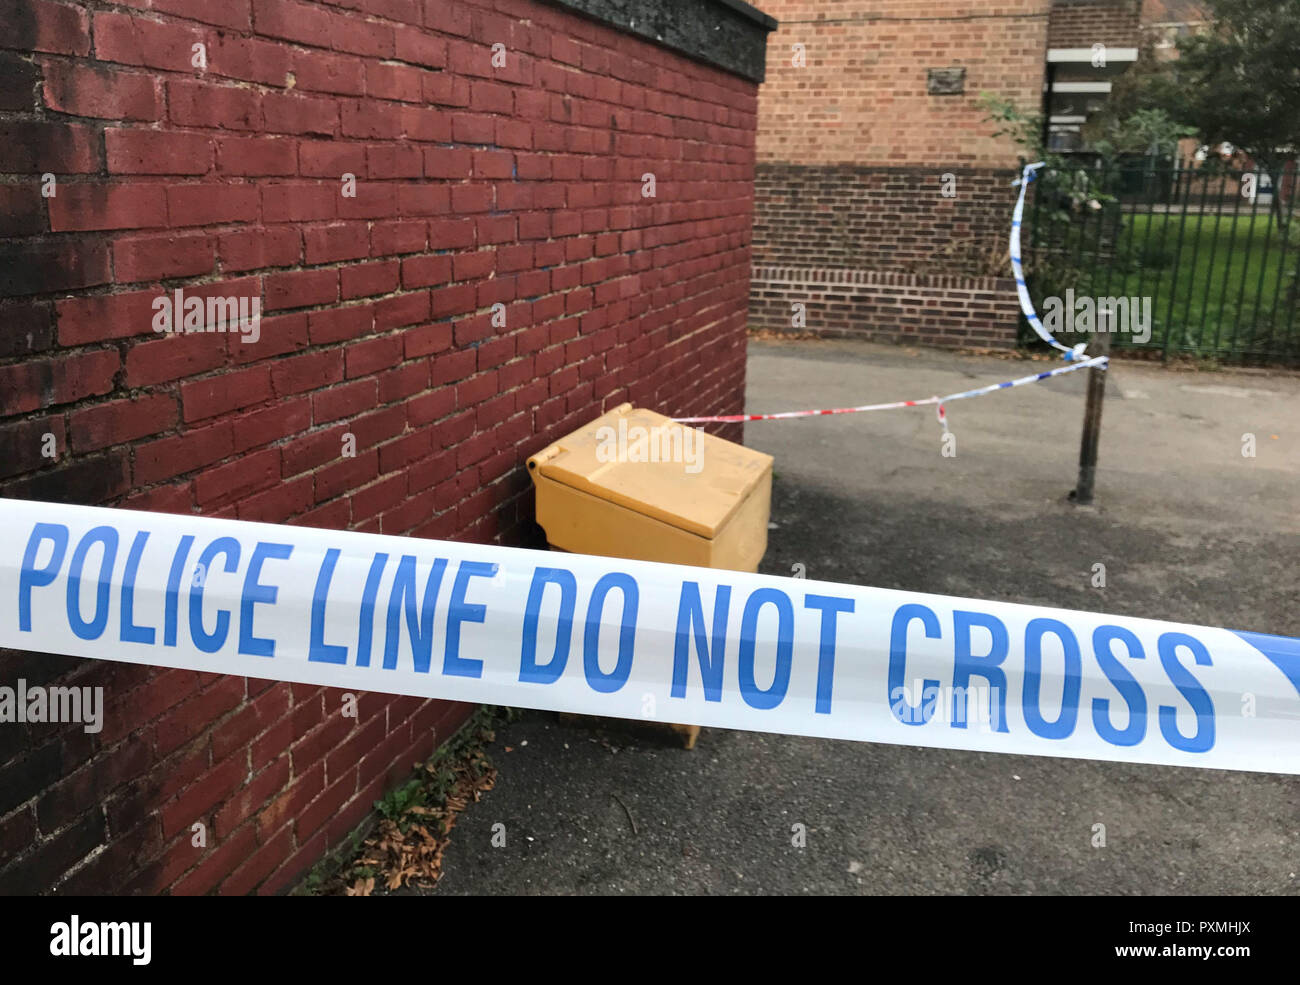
883,202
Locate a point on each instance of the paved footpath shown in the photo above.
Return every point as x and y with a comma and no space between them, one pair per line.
1188,529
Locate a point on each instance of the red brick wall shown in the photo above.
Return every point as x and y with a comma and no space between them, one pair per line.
885,218
852,147
837,238
1083,23
861,97
476,185
925,309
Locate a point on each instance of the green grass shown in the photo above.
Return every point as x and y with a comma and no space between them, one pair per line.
1215,280
1218,284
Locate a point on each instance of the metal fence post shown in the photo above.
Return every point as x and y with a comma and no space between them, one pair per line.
1082,494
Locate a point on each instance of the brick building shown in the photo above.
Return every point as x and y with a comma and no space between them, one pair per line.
469,227
883,203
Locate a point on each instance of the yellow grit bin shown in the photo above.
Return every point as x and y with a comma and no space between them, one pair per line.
633,484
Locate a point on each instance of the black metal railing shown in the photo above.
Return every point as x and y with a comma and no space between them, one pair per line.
1211,253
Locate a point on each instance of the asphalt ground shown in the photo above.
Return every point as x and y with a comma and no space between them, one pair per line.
1188,528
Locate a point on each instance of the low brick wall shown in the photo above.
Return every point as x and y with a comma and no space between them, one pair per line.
894,254
887,307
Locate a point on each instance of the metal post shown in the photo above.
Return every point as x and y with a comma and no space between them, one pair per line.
1082,495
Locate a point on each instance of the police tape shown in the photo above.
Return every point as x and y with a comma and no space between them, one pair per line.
1075,356
1017,270
1100,362
636,639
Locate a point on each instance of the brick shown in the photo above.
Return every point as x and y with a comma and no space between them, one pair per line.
29,874
370,119
309,451
278,504
234,14
338,402
250,60
361,37
190,719
472,129
422,200
453,300
261,427
448,162
490,97
373,355
305,23
331,159
425,340
285,113
211,204
201,796
378,497
299,202
398,236
337,241
338,324
425,271
420,47
341,75
18,79
157,152
278,335
86,480
471,198
301,288
131,40
393,161
403,381
229,391
368,279
247,474
35,25
80,207
22,211
402,309
152,256
23,447
120,421
304,788
374,200
325,806
180,454
41,383
445,89
31,146
450,234
350,473
96,90
203,104
174,357
255,249
257,156
397,82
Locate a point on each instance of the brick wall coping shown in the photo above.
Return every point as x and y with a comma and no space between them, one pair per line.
727,33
